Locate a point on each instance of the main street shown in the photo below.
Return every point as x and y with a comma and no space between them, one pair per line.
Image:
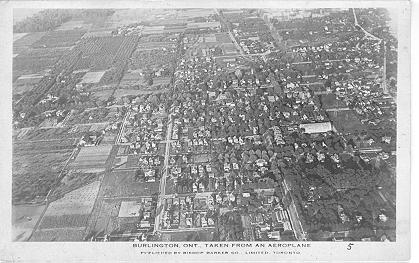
222,18
295,219
162,187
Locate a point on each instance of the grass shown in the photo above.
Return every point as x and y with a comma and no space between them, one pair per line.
64,221
122,183
66,234
24,218
34,174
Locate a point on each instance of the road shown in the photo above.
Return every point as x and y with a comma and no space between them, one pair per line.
229,32
101,193
162,187
121,131
391,203
368,34
295,219
64,122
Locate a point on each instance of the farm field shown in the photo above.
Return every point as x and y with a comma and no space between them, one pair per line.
92,158
26,41
63,38
78,202
35,61
92,77
66,218
24,218
51,134
72,180
98,33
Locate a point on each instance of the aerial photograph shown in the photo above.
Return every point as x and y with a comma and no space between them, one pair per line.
160,125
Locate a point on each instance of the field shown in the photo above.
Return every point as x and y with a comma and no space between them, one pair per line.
64,234
75,24
66,218
24,218
25,83
36,60
17,36
64,221
346,121
122,183
158,87
103,95
154,59
223,38
19,134
98,33
92,77
101,115
73,180
131,78
107,219
52,134
35,173
118,215
120,93
92,158
130,209
79,201
26,41
63,38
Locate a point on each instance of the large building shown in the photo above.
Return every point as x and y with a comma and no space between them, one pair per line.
318,127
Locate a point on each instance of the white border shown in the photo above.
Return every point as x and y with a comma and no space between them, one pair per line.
111,252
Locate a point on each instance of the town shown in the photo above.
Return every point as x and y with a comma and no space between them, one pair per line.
205,125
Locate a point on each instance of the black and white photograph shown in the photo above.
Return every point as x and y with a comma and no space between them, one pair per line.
216,127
